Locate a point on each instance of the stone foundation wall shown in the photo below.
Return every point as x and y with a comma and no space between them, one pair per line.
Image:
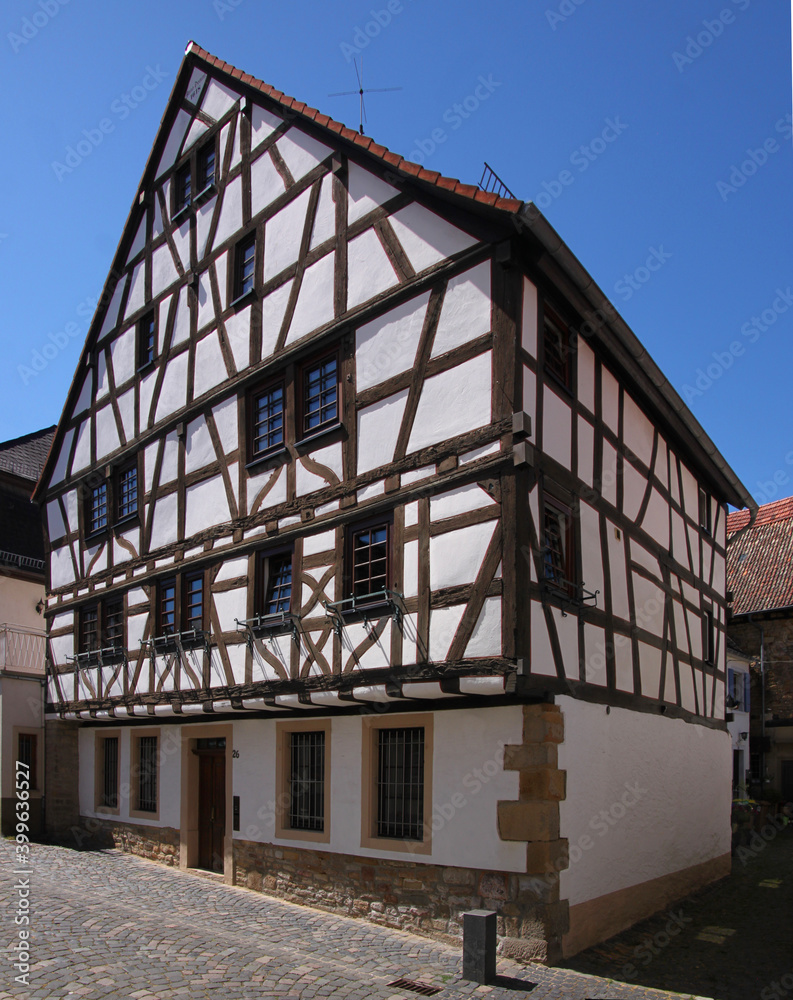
153,842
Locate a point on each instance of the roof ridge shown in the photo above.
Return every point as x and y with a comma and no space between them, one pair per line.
395,161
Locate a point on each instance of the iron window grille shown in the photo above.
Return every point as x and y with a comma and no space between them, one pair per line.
147,774
127,492
147,340
320,395
244,267
556,344
400,783
268,412
110,773
307,781
273,599
27,746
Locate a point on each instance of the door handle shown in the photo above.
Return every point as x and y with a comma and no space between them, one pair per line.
212,815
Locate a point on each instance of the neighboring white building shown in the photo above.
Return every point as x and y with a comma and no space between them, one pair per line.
738,705
386,567
22,635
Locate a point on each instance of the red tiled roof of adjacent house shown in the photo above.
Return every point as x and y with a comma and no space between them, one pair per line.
760,561
393,160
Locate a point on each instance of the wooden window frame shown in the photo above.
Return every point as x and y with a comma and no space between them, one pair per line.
99,772
180,602
200,155
135,811
236,294
708,637
563,377
570,568
369,765
102,614
88,509
302,434
262,576
705,515
181,203
251,404
383,520
141,332
284,731
192,167
130,518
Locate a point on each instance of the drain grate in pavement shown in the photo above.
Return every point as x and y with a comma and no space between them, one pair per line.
416,986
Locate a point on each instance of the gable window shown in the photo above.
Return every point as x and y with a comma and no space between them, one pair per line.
147,340
27,754
244,267
97,508
556,348
558,545
267,414
274,583
182,189
127,492
705,521
369,559
320,394
206,167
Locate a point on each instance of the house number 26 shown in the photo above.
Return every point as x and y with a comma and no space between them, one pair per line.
235,753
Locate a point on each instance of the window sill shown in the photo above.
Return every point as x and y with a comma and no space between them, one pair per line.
242,300
278,454
319,433
95,537
205,193
182,214
127,521
141,369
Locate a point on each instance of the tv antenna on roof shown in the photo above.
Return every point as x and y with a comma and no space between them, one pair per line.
361,91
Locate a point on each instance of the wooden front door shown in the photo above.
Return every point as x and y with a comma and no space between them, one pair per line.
211,809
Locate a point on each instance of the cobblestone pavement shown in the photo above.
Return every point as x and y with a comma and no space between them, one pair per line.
106,924
733,940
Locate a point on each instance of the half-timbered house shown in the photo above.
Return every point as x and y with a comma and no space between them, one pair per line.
386,569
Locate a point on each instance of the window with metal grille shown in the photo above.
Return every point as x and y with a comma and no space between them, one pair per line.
307,780
206,166
182,188
193,602
97,510
114,623
400,783
244,266
27,745
558,555
276,576
110,773
369,560
89,629
166,606
147,340
147,774
556,341
127,492
320,394
268,420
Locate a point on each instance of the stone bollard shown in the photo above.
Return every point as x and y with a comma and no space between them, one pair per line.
479,946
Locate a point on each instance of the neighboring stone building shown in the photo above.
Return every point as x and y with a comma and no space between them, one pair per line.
386,567
22,635
760,577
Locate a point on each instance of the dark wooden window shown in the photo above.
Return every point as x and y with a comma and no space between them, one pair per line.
147,340
244,266
558,356
147,774
267,420
166,606
27,754
400,783
206,166
708,637
89,629
113,623
193,602
558,551
127,492
704,511
274,582
307,780
320,394
109,796
97,509
183,188
369,559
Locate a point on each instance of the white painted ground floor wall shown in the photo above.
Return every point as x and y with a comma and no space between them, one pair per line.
647,796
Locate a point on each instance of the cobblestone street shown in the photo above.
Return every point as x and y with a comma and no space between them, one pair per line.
105,924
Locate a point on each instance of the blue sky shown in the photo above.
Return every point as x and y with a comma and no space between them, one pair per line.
655,137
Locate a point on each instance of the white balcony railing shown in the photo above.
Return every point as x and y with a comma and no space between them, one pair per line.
22,650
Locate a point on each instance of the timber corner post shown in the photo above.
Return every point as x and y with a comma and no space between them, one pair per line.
540,920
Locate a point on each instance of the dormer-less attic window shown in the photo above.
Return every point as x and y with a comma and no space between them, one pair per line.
558,360
183,188
244,267
147,340
206,167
